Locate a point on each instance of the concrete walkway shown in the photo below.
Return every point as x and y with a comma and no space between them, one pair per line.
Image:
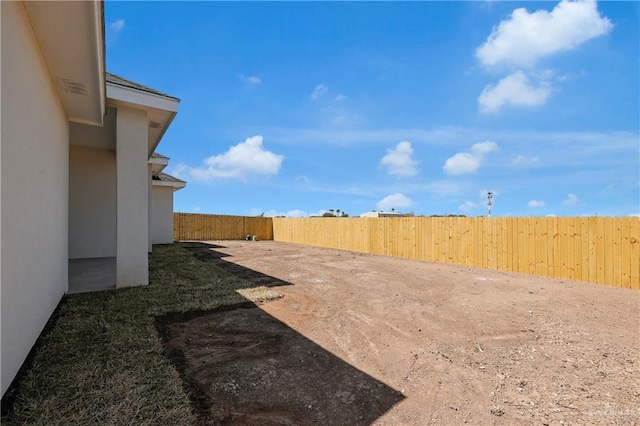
87,275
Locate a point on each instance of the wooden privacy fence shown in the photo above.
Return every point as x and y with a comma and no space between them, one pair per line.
190,226
604,250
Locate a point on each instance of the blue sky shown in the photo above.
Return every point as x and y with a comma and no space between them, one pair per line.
296,108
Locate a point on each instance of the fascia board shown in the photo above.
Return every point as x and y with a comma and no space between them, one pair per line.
138,98
177,185
155,160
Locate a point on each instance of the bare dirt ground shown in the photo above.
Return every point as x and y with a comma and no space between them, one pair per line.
362,339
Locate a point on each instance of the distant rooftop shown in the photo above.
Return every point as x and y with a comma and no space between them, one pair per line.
383,214
120,81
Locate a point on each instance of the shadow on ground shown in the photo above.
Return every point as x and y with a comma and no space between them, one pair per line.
207,253
242,366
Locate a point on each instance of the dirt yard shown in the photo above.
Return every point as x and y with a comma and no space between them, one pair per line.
361,339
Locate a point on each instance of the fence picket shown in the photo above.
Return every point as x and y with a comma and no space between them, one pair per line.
603,250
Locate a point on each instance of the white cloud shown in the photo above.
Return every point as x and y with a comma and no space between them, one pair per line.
248,158
523,161
467,206
344,117
571,200
290,213
117,25
550,74
468,162
546,74
462,163
399,161
180,171
250,79
482,148
514,90
340,97
454,136
394,201
524,38
535,204
196,209
319,91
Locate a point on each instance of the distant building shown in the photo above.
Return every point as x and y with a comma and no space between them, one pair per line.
384,214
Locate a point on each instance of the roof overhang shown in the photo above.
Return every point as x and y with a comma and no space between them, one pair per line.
168,181
71,38
161,110
174,185
158,164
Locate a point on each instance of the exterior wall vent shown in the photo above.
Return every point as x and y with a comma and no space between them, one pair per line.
154,125
76,88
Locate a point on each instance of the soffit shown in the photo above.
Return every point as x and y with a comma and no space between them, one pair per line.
70,36
161,109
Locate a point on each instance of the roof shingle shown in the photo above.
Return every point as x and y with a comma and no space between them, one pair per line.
168,178
120,81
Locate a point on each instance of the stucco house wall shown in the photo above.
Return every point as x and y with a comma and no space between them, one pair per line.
132,174
34,171
92,202
75,171
162,217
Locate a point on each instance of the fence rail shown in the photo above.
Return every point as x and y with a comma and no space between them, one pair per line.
603,250
191,226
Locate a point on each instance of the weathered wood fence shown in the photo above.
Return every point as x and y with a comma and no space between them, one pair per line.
191,226
603,250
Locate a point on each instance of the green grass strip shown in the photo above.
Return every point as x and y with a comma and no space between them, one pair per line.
102,361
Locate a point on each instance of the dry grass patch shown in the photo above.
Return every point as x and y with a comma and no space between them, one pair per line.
102,362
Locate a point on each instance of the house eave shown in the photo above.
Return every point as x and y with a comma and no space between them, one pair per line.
139,98
163,161
175,185
161,109
74,54
154,142
157,167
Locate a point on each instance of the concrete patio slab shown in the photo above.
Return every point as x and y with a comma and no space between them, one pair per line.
87,275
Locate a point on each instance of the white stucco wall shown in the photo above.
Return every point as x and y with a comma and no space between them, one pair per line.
162,215
34,180
149,205
92,202
94,136
132,198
